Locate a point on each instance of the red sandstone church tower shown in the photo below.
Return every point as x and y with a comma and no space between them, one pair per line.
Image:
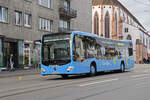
110,19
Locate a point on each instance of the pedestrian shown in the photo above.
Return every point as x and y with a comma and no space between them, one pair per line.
12,62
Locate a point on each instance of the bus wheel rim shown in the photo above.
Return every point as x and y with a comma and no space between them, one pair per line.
122,67
92,70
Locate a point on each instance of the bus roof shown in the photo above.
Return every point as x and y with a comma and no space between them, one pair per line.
91,35
84,33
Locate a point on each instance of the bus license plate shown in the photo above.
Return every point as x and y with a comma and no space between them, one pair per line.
55,73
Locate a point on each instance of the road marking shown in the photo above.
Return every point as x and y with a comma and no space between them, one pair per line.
141,78
110,80
146,71
20,78
141,75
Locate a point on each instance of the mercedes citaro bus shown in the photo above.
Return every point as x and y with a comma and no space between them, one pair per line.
83,53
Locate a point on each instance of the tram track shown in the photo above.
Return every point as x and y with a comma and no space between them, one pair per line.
48,85
56,83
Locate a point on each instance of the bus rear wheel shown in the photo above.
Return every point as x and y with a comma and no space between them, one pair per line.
64,76
93,71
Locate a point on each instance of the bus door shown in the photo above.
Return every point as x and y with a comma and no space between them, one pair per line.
103,60
79,55
130,57
110,58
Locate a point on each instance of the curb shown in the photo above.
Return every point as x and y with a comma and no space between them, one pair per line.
19,73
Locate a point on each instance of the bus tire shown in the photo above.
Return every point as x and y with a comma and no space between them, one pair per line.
122,67
93,71
64,76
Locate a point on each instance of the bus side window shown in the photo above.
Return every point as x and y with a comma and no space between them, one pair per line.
103,52
130,51
75,46
46,51
91,48
111,53
98,48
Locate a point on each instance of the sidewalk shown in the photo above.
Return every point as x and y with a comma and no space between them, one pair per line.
21,72
142,65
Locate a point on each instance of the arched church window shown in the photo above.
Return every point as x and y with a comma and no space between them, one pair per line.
116,25
96,23
107,25
129,37
127,20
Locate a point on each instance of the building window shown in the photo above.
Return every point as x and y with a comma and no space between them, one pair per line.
67,4
127,20
3,14
46,3
18,18
107,25
116,25
147,42
45,24
144,40
27,20
126,30
130,21
96,23
129,37
124,18
28,1
64,24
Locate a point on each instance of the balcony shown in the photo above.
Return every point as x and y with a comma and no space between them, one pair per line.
67,12
60,29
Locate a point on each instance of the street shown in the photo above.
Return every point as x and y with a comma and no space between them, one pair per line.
134,84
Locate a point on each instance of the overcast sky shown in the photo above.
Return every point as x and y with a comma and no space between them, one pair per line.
140,9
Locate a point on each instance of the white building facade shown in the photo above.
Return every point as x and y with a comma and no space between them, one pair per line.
110,19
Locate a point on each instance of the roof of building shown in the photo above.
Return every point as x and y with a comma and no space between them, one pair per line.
104,2
116,3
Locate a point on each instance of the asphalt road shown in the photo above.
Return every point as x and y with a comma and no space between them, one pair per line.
133,84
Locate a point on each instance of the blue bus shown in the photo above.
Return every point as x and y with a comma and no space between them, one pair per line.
83,53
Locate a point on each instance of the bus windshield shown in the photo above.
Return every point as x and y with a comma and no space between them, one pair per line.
56,49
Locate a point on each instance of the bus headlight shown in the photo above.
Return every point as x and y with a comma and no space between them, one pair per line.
43,69
69,68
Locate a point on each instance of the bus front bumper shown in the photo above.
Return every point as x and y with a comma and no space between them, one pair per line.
57,70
